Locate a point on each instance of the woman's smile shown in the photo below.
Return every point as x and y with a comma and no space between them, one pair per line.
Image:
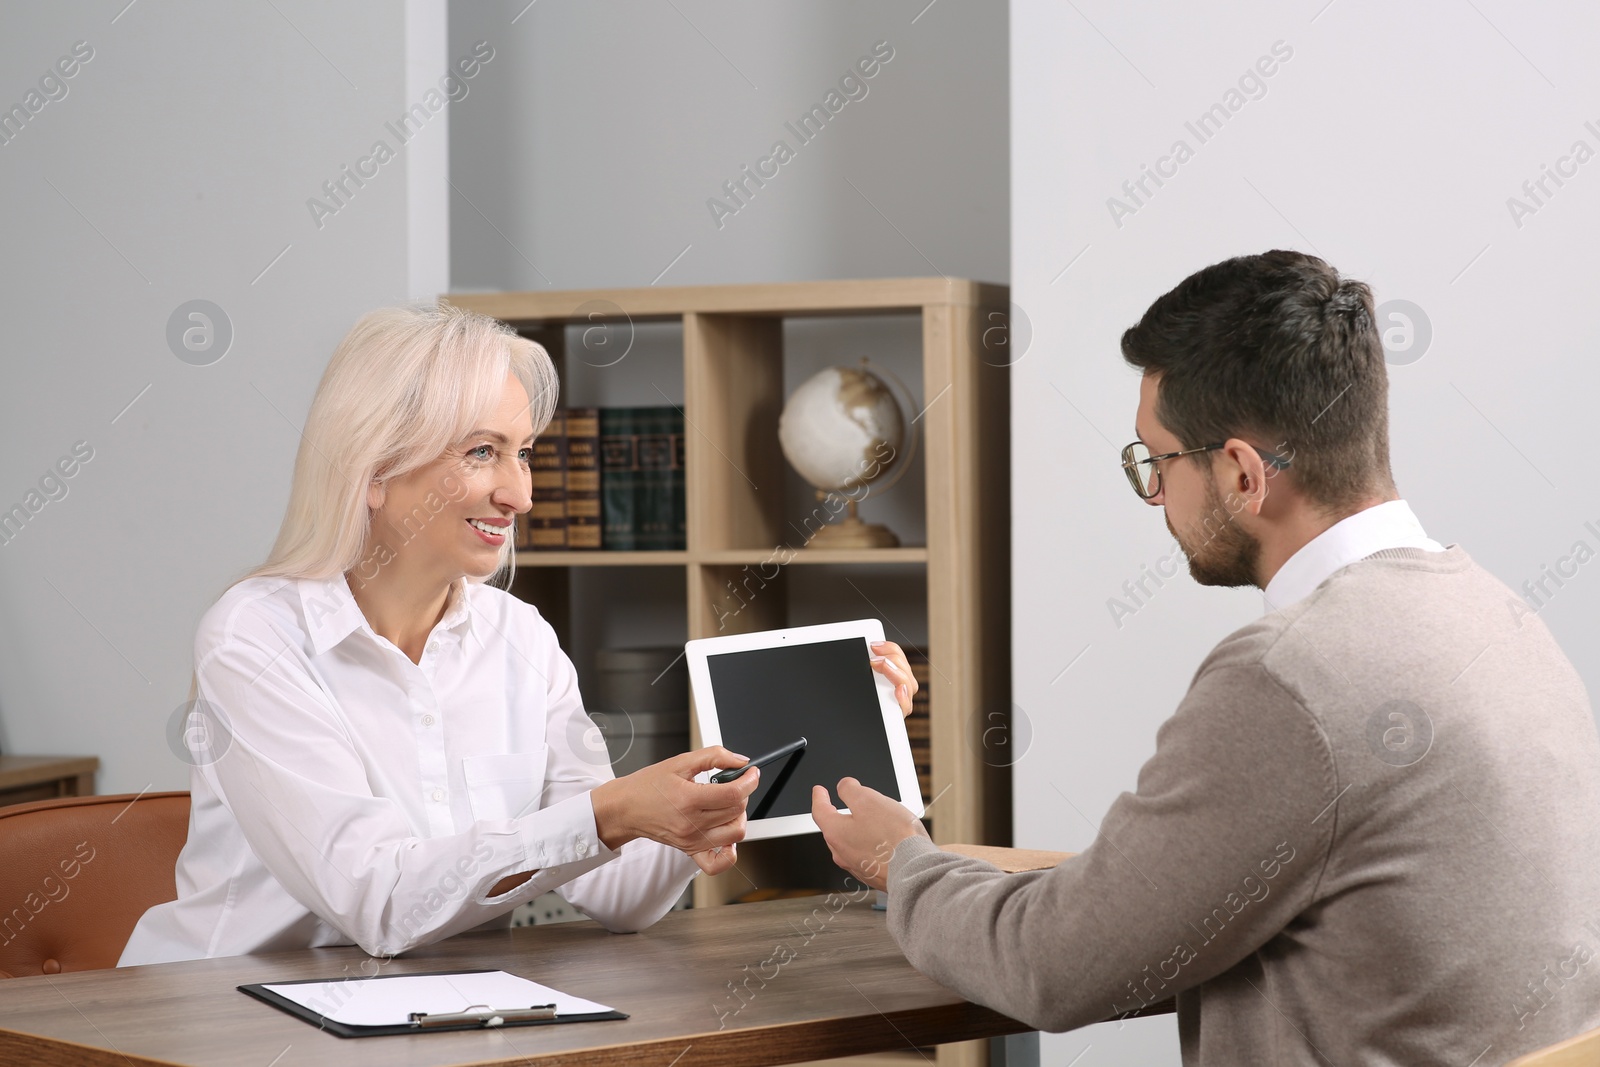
492,531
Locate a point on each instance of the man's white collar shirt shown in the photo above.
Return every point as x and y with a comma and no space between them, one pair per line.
1388,525
343,794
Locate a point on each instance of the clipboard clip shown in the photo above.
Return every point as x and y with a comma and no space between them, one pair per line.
483,1015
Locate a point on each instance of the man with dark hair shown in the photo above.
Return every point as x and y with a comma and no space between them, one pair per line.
1369,833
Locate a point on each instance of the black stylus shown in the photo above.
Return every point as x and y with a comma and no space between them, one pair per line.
724,777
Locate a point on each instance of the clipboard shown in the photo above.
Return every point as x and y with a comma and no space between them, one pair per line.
545,1011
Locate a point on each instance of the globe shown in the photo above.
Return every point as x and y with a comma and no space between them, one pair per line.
843,429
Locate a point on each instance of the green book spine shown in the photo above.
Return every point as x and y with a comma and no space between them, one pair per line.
680,509
659,502
618,471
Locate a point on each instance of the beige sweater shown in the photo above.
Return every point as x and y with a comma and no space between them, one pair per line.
1370,834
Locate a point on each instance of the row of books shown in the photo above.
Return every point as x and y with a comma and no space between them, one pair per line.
608,478
917,722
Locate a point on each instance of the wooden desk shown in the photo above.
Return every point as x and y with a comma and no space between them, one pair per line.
848,990
25,778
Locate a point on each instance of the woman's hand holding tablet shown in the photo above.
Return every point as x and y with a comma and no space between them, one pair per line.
889,660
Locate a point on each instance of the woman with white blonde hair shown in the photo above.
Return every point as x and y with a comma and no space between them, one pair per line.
393,748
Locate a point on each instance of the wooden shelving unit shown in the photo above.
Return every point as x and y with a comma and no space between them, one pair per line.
732,352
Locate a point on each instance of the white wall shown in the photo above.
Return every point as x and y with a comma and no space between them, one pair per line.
177,167
1388,143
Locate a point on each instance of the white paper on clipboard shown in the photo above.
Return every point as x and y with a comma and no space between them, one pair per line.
389,1001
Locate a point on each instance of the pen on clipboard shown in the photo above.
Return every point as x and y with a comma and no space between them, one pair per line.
486,1018
724,777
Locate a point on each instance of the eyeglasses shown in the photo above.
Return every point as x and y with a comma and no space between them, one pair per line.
1140,466
1145,477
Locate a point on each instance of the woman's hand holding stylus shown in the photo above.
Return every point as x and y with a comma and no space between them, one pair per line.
663,802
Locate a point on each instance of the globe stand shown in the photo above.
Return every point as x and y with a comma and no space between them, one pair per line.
851,532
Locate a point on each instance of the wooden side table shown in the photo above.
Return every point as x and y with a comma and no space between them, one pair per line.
25,778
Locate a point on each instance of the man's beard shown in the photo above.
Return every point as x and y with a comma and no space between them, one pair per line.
1221,552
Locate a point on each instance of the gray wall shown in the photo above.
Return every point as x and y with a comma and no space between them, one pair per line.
177,167
589,158
1389,144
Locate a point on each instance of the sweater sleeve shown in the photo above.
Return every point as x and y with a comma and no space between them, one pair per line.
1220,847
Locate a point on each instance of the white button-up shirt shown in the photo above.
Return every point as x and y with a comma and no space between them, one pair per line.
1391,524
342,793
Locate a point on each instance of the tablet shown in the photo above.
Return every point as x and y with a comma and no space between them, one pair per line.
758,691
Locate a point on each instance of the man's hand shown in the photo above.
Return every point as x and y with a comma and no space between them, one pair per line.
889,660
863,841
664,803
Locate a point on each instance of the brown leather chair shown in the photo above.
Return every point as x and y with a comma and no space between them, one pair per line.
77,874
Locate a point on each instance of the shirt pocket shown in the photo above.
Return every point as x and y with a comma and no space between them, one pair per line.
505,785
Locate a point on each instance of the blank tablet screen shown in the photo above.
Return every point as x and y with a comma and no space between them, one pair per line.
824,692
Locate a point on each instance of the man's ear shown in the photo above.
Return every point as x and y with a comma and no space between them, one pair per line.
1247,474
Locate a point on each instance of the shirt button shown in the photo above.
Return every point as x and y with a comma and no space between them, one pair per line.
438,794
427,720
583,848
